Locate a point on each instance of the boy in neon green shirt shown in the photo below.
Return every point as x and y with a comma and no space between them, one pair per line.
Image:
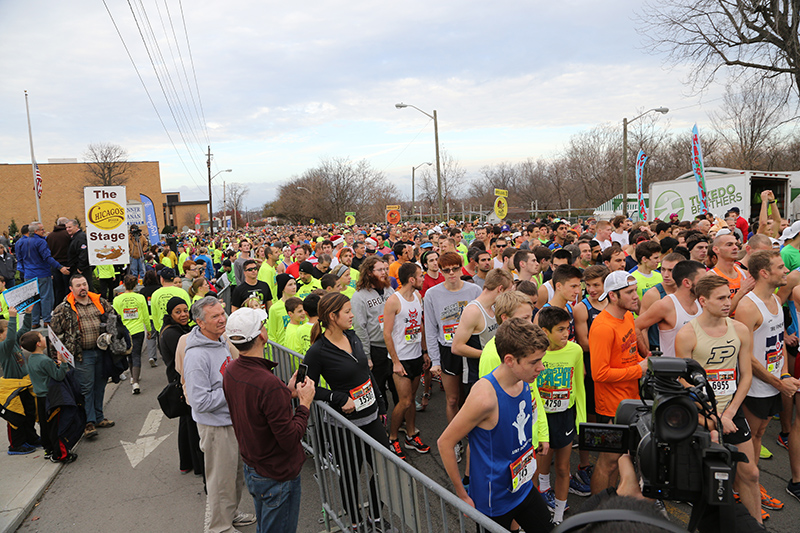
297,315
132,307
648,255
278,317
561,387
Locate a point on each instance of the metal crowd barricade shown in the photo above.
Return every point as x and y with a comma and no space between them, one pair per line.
410,501
225,296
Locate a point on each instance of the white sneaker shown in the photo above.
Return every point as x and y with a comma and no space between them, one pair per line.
153,363
244,519
123,376
135,388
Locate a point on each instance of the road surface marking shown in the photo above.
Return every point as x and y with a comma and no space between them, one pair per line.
147,442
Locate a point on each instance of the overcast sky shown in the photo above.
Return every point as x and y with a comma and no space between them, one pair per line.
282,86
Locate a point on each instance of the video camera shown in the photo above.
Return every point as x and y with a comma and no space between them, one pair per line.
675,455
135,231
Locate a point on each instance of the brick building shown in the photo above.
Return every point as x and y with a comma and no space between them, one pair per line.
62,194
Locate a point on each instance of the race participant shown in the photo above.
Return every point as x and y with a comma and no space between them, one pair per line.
698,248
337,356
526,265
760,310
301,253
498,418
300,339
278,317
740,284
430,263
251,287
404,336
567,282
560,385
485,265
673,311
614,258
616,363
267,272
603,237
546,290
724,348
648,256
584,314
307,283
372,291
443,306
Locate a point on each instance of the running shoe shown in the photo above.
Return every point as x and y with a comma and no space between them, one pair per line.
768,502
783,440
765,453
415,443
397,449
793,489
764,515
584,474
23,449
579,488
549,498
244,519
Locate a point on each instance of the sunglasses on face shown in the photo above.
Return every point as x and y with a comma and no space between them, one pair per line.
250,269
450,270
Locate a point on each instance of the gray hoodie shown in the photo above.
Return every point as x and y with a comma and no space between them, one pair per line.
203,368
367,306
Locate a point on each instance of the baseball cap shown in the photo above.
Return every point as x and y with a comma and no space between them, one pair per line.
505,227
616,281
724,231
426,245
791,232
516,234
245,324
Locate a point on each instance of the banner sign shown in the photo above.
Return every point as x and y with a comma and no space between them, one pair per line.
135,214
699,170
60,348
641,159
106,232
23,295
150,219
501,192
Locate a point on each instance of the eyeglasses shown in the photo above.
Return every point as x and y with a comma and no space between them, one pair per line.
450,270
380,270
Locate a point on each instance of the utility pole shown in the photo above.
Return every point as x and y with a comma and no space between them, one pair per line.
210,205
438,165
224,207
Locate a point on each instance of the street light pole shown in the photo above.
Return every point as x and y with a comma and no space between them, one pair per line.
435,119
413,197
625,122
210,206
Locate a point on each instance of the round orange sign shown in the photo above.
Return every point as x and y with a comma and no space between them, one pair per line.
393,216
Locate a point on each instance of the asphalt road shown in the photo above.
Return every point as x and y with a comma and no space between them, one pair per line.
127,479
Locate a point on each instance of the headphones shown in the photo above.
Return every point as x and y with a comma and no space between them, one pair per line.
615,515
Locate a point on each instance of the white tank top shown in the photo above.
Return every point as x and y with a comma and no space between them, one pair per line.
489,324
407,329
682,317
767,346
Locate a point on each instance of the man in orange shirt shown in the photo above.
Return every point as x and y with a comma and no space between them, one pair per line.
402,252
616,363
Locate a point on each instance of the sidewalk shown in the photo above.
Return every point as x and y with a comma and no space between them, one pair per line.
24,478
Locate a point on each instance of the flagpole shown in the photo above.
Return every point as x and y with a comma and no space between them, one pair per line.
33,161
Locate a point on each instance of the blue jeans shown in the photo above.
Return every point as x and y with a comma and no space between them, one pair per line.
43,309
93,386
137,267
277,502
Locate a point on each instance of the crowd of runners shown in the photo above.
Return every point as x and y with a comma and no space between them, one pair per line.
530,328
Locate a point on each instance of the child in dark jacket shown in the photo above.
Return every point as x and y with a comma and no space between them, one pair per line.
41,369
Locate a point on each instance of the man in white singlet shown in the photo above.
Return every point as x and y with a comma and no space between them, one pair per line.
404,334
760,310
673,311
723,347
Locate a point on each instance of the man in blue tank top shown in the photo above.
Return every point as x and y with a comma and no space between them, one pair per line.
498,416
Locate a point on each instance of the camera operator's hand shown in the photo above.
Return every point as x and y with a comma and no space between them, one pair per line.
628,480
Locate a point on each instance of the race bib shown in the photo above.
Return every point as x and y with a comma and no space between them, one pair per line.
449,331
363,395
380,322
413,334
522,469
774,365
723,382
130,314
555,401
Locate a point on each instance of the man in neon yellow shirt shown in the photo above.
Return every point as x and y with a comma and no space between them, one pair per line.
307,282
267,273
132,307
170,287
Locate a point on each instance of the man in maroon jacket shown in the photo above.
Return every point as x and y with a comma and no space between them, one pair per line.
268,429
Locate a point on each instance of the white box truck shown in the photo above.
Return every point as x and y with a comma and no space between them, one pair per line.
725,188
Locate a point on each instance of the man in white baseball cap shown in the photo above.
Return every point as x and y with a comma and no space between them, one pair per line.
616,363
268,429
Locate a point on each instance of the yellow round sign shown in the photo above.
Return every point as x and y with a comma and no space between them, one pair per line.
350,220
311,221
106,215
500,207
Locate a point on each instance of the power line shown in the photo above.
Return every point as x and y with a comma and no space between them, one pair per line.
149,97
194,73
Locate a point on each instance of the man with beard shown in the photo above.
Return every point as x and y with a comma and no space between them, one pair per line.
616,363
673,311
405,341
372,291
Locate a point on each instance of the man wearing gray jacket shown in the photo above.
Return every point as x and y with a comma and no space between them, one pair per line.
372,291
207,357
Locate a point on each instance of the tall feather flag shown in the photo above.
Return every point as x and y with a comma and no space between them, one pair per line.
699,170
641,159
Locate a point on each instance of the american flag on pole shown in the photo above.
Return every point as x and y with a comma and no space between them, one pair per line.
38,181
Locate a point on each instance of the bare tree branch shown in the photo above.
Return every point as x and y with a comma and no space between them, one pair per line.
106,165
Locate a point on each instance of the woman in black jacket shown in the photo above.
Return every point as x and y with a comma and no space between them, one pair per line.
176,324
338,357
